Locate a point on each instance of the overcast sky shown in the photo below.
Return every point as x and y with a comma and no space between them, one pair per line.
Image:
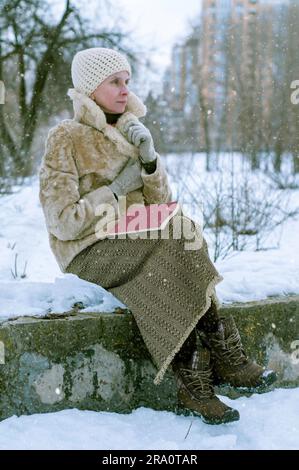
160,22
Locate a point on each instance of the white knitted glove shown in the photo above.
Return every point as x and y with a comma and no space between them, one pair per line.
139,135
128,179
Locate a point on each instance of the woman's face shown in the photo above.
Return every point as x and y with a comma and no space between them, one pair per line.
112,94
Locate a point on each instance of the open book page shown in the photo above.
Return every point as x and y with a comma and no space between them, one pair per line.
140,219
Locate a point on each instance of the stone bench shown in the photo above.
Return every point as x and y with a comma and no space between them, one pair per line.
98,361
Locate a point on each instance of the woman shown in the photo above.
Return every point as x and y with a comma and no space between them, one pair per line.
105,153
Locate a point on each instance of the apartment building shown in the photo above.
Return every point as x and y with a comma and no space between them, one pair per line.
219,61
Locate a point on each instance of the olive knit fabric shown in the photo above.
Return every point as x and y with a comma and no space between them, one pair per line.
167,288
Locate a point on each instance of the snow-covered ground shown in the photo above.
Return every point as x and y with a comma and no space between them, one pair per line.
248,275
268,421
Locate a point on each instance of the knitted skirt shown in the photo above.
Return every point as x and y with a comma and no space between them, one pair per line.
167,287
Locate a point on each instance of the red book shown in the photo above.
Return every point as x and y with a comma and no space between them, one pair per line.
139,218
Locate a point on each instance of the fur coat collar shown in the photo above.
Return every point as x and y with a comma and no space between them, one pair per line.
86,111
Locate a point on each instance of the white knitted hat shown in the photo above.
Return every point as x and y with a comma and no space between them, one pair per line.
91,67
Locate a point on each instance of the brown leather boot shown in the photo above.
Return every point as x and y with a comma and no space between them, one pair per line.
229,362
195,390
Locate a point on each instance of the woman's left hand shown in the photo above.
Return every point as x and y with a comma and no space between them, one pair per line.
139,135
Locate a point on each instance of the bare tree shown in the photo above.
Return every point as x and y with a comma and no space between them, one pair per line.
35,49
240,209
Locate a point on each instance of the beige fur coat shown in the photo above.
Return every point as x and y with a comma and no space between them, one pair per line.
82,157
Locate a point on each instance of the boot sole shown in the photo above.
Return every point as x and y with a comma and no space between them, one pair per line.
231,416
262,388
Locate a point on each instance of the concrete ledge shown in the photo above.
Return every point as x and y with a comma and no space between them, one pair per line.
98,361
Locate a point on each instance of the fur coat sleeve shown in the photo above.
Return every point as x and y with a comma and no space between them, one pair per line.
156,189
67,214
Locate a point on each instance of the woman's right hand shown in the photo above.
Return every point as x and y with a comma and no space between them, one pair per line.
129,179
140,136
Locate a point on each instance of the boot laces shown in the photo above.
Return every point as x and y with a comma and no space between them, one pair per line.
231,348
198,381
